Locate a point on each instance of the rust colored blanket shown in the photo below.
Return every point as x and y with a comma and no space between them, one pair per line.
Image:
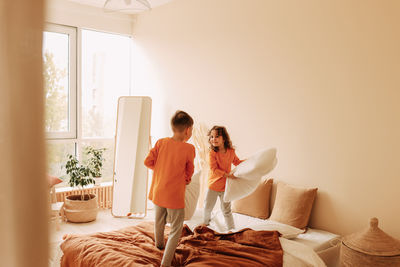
134,246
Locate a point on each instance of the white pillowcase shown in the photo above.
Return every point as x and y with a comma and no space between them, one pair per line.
258,165
250,172
192,193
239,188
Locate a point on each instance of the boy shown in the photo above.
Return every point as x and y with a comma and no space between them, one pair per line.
171,160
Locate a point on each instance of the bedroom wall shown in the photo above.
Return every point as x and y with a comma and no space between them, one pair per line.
317,80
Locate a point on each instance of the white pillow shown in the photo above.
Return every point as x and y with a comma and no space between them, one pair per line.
287,231
258,165
192,193
250,172
239,188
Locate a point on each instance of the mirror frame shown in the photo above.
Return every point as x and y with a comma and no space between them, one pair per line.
130,215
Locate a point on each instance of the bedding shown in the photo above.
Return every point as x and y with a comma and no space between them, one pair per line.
324,243
243,221
134,246
81,249
312,247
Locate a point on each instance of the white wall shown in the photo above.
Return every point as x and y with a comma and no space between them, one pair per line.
319,80
72,14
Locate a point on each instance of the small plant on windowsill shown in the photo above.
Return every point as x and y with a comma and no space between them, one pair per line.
95,162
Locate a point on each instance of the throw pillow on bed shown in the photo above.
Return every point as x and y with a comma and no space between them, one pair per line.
293,205
250,172
257,203
191,196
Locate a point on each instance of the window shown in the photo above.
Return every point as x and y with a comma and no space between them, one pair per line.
59,72
82,112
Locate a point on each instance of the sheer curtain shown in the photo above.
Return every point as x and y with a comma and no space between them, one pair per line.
23,188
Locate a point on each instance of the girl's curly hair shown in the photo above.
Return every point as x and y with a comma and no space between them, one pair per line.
221,131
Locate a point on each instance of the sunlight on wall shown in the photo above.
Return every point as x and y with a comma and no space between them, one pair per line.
146,82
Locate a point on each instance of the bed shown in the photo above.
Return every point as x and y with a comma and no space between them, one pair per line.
117,248
280,240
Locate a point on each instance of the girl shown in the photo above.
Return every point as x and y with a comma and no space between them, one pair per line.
222,155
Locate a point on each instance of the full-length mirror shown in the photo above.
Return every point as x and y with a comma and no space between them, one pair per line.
131,147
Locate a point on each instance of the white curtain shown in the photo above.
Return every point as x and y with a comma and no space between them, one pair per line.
23,188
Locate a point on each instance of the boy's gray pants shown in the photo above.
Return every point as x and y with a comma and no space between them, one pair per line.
209,204
177,217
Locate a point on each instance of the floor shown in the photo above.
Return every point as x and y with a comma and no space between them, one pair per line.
104,222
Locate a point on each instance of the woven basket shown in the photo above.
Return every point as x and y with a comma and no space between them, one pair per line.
371,247
79,211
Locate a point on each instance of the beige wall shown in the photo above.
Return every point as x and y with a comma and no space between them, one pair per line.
319,80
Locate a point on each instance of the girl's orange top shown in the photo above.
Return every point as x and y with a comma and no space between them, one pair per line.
220,166
172,163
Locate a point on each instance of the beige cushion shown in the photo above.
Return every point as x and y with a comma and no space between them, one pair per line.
293,205
257,203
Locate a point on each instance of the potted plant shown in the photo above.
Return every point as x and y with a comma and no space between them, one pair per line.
82,207
95,162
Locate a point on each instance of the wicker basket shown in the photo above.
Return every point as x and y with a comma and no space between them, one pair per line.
371,247
77,210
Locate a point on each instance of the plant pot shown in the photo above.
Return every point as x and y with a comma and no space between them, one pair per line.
79,211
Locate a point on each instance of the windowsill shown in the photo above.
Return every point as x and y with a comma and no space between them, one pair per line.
68,188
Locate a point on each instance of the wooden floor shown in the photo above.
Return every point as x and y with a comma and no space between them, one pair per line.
104,222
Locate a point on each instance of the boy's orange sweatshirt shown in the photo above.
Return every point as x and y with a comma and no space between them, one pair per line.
172,163
220,166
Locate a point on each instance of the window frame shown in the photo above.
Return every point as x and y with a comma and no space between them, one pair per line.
73,82
75,134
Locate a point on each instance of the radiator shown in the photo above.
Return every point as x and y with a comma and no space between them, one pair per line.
104,195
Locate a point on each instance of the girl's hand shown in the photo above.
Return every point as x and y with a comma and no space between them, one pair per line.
230,175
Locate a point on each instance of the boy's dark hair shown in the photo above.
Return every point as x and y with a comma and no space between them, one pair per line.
221,131
181,120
